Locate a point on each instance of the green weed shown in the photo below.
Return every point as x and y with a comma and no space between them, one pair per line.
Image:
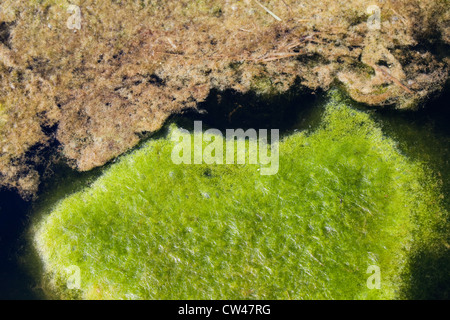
344,199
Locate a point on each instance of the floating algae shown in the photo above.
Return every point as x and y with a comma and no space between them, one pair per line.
344,199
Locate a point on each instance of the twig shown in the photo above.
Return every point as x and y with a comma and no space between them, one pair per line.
277,56
268,11
171,43
231,113
392,78
400,16
302,40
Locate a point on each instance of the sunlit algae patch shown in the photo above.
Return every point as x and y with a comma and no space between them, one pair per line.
344,200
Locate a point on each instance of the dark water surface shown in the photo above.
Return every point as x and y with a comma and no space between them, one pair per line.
423,135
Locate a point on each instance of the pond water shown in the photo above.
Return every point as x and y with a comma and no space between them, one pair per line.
423,135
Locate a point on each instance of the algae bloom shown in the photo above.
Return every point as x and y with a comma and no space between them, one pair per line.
344,201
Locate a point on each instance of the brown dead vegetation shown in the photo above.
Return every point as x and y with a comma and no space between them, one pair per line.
133,63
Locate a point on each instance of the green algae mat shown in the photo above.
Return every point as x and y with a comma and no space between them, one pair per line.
339,220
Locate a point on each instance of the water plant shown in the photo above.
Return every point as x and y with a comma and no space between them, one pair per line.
97,75
344,199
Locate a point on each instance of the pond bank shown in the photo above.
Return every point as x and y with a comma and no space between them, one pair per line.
344,173
423,136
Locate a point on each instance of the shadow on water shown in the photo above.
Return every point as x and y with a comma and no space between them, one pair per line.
425,136
20,268
288,112
422,135
15,283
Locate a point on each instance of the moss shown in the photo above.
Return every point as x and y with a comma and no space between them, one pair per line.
263,85
344,199
3,115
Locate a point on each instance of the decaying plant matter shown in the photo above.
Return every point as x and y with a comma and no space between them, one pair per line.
133,63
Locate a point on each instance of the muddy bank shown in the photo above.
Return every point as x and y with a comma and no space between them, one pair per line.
89,81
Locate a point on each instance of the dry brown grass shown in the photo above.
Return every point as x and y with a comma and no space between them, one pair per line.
133,63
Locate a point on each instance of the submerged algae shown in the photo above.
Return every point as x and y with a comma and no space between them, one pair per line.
343,199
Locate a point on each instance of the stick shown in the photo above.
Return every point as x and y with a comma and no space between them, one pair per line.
268,11
394,79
